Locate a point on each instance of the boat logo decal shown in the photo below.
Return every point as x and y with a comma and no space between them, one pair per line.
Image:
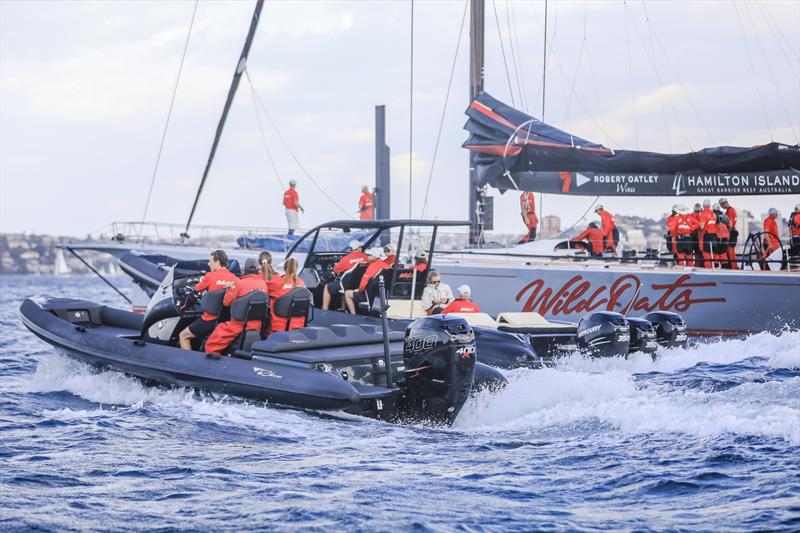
266,373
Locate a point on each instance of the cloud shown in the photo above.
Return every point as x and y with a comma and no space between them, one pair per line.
399,164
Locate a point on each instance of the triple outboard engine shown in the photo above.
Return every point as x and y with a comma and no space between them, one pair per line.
604,334
643,336
439,358
670,328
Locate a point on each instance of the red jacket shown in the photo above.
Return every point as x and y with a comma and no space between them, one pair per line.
595,238
607,220
278,286
730,212
372,271
794,224
242,287
365,206
708,221
291,200
685,225
460,305
527,203
723,231
349,261
213,281
771,231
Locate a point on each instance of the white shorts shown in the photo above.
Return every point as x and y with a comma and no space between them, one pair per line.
292,218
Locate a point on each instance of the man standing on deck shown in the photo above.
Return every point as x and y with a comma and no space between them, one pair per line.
366,204
610,231
794,231
527,207
730,212
291,201
696,240
708,233
771,242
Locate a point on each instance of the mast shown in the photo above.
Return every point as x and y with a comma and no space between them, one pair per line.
240,67
476,12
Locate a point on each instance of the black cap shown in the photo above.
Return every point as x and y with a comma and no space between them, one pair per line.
251,266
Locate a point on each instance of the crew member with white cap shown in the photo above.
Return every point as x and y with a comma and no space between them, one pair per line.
609,228
685,231
291,201
462,304
708,233
730,212
771,242
366,204
345,264
376,264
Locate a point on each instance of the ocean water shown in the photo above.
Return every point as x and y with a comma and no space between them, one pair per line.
704,439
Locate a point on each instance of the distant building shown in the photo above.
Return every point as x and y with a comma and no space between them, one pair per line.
550,226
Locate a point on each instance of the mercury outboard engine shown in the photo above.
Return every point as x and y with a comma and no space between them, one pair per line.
604,334
643,336
439,357
670,328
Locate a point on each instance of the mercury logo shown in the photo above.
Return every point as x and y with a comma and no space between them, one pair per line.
588,330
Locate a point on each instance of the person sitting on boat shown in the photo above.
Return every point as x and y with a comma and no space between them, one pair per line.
376,264
366,207
794,231
730,212
225,332
390,253
723,236
280,286
217,277
685,229
708,234
291,201
345,264
594,239
610,231
697,250
420,262
436,295
267,271
527,208
771,242
462,304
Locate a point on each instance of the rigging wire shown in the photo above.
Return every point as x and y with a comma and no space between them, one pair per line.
503,51
514,58
444,108
411,116
652,55
169,116
771,74
753,71
264,136
577,69
524,94
582,217
768,16
288,148
630,79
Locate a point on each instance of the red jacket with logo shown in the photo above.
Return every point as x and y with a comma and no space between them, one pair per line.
372,271
291,199
685,225
365,206
708,221
213,281
278,286
460,305
349,261
242,287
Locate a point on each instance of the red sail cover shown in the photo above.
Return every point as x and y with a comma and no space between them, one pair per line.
516,151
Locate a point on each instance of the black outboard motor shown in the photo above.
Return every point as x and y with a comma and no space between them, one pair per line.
604,334
643,336
439,357
670,328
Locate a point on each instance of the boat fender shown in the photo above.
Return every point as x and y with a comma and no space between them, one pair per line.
670,328
604,334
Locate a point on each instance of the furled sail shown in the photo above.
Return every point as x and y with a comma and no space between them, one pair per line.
517,151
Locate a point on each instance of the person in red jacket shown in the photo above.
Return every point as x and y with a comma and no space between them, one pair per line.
226,332
527,207
794,231
420,262
708,233
610,231
697,252
376,264
346,263
282,285
291,201
730,212
672,219
723,237
217,277
462,304
685,229
594,236
366,204
771,242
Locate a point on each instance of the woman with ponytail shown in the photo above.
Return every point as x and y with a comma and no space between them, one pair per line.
282,285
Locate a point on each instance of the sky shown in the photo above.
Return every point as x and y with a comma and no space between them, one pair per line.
85,89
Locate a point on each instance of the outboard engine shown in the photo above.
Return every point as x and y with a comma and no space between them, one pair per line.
604,334
643,336
670,328
439,357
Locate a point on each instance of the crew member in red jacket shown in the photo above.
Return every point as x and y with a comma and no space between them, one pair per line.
730,212
462,304
594,236
685,231
723,237
672,219
610,231
771,242
366,204
226,332
376,264
794,231
697,243
280,286
291,201
527,207
218,277
708,233
346,263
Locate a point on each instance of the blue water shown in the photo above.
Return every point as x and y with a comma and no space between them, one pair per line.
706,438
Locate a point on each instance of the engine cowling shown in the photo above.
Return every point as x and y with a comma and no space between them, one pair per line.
439,356
604,334
670,328
643,336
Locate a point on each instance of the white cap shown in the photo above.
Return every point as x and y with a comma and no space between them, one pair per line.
706,203
292,183
676,207
598,208
715,207
797,207
464,291
390,247
772,211
355,244
682,209
376,252
723,201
